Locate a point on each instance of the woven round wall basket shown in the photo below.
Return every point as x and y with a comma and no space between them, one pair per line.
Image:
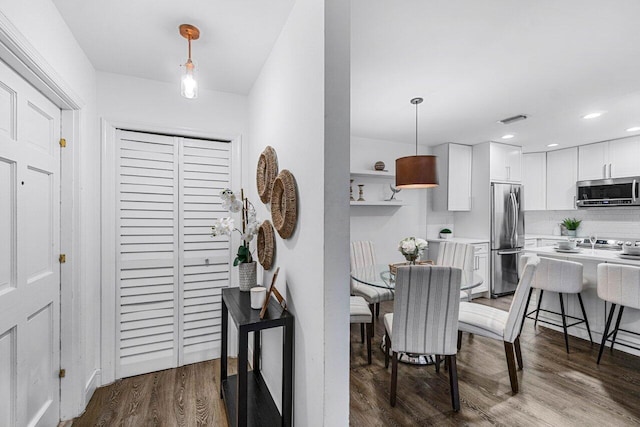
284,204
266,173
266,244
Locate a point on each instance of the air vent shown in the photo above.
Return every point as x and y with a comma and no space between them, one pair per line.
510,120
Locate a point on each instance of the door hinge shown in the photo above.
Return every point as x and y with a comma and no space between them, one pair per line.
63,142
63,373
62,258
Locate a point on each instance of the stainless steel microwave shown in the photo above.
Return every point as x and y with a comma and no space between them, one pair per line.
608,192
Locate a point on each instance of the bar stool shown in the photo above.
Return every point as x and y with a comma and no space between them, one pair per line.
360,313
563,277
619,285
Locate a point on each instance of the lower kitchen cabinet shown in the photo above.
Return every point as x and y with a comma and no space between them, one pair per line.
481,266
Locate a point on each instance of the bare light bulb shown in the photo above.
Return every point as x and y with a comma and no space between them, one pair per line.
188,83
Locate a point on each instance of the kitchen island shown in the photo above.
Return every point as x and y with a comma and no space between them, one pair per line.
594,306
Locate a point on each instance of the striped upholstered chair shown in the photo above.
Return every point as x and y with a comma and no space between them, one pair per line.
425,319
459,255
501,325
363,254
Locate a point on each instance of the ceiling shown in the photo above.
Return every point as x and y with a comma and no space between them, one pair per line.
474,62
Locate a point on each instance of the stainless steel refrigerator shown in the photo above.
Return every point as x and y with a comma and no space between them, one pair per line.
507,237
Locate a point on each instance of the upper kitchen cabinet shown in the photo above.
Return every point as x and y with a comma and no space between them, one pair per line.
506,162
562,174
454,175
534,181
612,159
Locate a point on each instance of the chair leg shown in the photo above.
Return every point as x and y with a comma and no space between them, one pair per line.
377,310
584,314
369,329
564,323
516,345
453,382
362,332
437,363
606,332
387,347
394,378
459,340
526,306
371,309
615,331
535,324
511,364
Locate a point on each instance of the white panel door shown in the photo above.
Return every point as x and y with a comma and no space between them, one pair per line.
29,248
593,161
624,157
169,270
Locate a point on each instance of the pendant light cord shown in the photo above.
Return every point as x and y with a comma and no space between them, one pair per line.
416,128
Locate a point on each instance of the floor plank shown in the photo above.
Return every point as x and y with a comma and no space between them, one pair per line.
556,389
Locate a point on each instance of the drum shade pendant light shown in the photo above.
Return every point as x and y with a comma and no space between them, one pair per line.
188,83
416,171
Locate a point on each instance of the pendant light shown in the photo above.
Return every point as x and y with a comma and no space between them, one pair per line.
416,171
188,83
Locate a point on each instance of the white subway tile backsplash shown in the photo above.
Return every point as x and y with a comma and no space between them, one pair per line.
605,222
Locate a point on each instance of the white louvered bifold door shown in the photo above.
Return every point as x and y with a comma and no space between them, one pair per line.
169,268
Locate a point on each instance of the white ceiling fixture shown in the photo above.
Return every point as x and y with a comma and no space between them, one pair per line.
552,145
188,82
633,129
592,115
508,136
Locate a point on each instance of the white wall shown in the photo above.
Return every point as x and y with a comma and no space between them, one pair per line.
40,26
305,77
385,226
615,223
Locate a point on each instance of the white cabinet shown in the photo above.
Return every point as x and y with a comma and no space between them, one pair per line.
611,159
562,174
506,162
454,176
534,181
481,266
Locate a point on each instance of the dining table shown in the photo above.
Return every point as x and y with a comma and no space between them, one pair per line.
381,276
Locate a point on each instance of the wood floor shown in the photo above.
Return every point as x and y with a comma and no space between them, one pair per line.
556,389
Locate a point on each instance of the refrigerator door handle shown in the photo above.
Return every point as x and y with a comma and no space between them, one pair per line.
514,212
516,251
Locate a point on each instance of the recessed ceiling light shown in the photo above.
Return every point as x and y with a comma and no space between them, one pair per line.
552,145
591,115
634,129
507,136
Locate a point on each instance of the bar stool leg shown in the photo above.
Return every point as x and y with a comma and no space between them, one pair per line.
584,314
369,331
606,332
526,306
615,331
564,323
535,324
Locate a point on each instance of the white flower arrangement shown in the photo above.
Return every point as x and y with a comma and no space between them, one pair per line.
412,247
226,226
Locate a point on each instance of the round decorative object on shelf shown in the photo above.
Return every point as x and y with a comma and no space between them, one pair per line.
284,201
266,173
379,166
266,244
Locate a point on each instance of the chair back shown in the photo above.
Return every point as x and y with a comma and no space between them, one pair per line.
459,255
425,310
516,311
362,254
619,284
558,275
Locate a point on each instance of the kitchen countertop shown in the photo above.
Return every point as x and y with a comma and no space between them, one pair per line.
546,236
587,254
469,240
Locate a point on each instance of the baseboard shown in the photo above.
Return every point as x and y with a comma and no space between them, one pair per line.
91,386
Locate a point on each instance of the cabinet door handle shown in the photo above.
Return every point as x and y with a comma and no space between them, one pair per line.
508,173
604,170
610,170
575,201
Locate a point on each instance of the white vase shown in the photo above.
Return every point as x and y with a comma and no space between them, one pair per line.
247,274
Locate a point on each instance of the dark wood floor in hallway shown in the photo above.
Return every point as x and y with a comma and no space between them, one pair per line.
556,389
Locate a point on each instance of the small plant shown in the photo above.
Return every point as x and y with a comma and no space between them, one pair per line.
446,231
571,223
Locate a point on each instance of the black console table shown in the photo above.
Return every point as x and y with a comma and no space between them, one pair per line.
247,398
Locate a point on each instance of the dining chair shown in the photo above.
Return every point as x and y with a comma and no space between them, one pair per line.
361,313
619,285
424,319
459,255
498,324
363,255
